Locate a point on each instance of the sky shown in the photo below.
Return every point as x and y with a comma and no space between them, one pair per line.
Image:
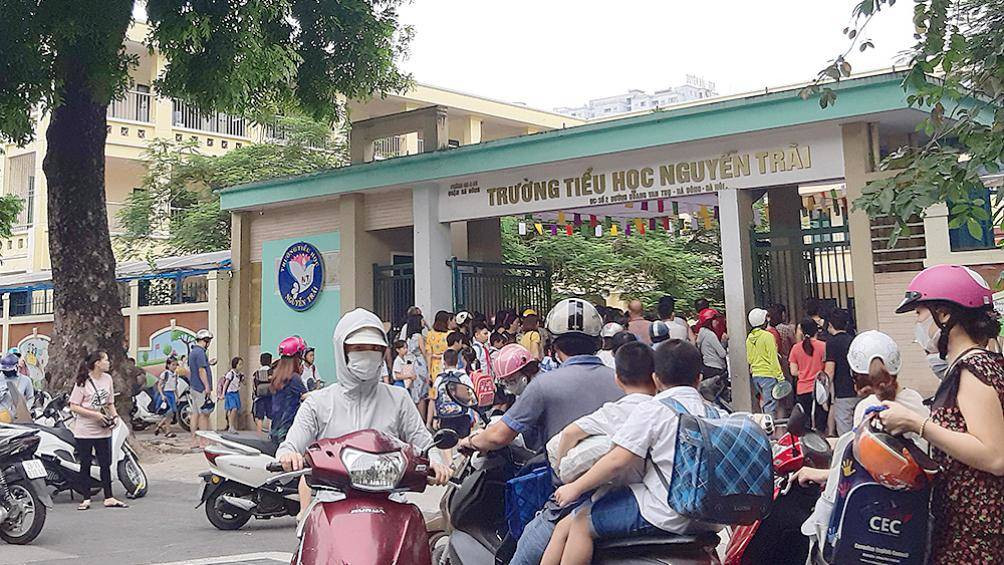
550,53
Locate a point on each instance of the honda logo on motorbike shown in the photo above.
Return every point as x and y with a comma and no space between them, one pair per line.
885,525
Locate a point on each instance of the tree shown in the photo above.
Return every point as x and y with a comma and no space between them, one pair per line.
637,266
179,197
240,57
956,73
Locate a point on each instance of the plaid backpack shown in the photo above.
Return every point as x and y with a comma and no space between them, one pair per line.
722,471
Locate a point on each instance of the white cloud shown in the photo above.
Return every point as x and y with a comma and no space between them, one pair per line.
550,53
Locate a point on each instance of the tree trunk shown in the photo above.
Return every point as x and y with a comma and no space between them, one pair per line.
87,305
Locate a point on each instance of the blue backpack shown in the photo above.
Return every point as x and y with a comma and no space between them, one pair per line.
722,468
446,407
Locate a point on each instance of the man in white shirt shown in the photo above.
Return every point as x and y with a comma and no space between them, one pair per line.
678,327
649,437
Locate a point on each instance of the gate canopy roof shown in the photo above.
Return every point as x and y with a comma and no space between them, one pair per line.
878,97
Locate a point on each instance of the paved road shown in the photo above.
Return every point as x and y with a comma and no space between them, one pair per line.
164,527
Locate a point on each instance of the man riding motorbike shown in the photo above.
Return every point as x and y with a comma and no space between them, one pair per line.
554,399
359,400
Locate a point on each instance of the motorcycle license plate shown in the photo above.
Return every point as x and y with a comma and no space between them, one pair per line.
34,469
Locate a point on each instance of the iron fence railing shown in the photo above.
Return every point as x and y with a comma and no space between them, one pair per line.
134,106
187,116
490,287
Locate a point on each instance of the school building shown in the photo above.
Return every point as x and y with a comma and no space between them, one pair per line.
774,172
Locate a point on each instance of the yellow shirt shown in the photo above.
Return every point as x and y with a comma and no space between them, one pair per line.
531,341
435,344
761,353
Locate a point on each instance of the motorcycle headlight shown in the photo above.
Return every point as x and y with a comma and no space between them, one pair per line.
374,472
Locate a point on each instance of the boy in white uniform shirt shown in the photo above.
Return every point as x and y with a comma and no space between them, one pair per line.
634,368
649,437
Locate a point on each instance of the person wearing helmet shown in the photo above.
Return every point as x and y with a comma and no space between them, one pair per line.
201,376
358,399
606,353
953,306
514,368
287,388
22,383
552,400
765,366
712,348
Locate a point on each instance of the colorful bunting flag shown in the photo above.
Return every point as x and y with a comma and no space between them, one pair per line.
539,227
554,229
629,205
522,228
665,222
676,209
627,229
568,229
644,205
651,224
599,230
577,220
613,229
592,220
561,217
662,206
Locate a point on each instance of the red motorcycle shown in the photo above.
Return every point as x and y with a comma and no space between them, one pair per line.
778,537
357,514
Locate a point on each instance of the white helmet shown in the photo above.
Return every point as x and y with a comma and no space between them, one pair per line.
870,345
203,334
574,316
757,317
611,329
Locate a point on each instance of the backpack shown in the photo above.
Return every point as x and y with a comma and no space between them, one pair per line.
446,407
870,522
722,468
484,386
261,382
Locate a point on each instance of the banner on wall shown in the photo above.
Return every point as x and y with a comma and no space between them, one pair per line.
34,358
300,276
668,172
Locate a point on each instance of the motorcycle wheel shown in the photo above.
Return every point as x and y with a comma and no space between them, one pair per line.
29,524
131,475
185,416
222,518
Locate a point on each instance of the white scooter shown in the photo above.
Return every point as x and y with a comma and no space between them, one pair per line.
58,453
238,486
144,414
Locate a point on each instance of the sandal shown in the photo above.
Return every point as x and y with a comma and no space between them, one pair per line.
116,504
85,505
170,435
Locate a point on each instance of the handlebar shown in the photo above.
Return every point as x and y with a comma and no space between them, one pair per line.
274,467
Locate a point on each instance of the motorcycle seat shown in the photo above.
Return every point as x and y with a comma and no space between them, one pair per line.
261,443
660,539
64,434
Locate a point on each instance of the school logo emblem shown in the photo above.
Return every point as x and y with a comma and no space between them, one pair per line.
301,276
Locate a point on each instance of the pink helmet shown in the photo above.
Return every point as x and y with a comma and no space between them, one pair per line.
511,359
949,283
292,346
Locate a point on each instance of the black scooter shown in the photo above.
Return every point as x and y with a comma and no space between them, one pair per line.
23,496
475,511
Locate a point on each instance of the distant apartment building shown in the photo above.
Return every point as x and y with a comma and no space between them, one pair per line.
695,88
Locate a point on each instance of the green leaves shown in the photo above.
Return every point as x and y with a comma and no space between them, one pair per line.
640,266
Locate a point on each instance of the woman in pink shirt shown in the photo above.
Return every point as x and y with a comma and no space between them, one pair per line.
806,360
92,402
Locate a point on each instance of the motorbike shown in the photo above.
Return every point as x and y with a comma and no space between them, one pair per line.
23,497
238,486
358,481
57,451
778,537
148,407
477,530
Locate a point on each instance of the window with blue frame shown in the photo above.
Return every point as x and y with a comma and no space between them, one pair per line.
960,237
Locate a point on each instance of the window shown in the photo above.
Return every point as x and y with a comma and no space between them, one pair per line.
960,238
30,201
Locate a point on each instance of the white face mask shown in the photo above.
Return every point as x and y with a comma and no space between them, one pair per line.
938,365
922,335
364,365
516,386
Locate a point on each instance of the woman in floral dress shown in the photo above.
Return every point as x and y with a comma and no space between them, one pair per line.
966,426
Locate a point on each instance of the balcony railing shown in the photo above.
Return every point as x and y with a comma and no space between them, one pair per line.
187,116
134,106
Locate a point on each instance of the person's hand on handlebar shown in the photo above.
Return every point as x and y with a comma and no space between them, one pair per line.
291,461
441,475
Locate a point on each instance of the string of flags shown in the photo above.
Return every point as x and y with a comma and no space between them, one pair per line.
598,226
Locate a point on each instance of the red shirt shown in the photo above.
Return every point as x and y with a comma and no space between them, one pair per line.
808,365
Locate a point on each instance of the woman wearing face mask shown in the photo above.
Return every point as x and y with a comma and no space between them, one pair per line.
358,400
515,367
966,425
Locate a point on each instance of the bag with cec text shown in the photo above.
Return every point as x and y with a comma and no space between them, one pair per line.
722,470
446,407
874,524
525,495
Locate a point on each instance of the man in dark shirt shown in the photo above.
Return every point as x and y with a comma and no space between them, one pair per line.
201,377
845,398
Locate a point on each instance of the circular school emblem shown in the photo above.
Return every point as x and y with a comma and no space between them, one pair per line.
301,276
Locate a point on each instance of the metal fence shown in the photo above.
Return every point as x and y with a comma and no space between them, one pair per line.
489,287
173,290
791,266
187,116
393,291
134,105
37,302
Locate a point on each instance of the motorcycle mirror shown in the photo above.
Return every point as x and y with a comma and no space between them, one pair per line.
797,421
445,439
817,450
462,394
